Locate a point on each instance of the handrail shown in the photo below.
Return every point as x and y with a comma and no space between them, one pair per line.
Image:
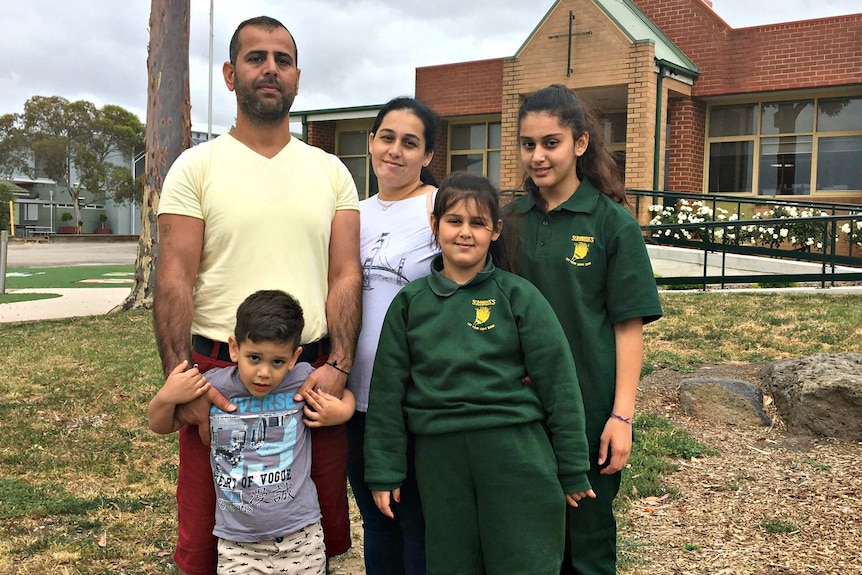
705,238
828,257
714,199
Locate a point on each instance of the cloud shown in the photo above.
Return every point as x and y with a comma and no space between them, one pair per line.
352,52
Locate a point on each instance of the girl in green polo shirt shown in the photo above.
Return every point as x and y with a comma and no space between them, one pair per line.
496,460
585,252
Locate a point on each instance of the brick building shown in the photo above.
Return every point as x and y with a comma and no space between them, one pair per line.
688,103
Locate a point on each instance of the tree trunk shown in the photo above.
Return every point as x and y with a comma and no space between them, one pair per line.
168,130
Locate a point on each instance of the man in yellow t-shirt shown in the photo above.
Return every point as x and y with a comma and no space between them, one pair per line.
257,209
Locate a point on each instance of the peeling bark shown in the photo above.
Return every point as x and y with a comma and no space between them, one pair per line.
168,130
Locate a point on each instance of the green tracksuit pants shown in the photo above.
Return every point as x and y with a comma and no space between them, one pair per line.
492,500
591,548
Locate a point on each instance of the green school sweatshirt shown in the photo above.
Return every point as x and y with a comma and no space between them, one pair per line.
451,359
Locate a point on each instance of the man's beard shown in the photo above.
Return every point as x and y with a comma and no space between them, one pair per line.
263,110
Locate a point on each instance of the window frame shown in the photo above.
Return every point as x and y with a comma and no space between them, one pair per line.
362,126
759,138
487,121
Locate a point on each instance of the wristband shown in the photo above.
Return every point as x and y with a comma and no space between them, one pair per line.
335,365
629,420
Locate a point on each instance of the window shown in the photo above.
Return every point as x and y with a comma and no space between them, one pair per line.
352,149
730,166
30,212
798,147
839,163
787,117
785,166
475,148
733,121
614,134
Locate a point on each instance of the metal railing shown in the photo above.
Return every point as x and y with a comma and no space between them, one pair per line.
716,240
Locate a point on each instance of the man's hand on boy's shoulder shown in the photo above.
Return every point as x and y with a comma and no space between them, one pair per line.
329,377
323,409
197,410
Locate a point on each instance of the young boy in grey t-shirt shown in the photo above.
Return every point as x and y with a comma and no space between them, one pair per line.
266,506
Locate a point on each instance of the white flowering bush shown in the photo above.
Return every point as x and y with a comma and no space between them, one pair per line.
803,231
853,231
689,213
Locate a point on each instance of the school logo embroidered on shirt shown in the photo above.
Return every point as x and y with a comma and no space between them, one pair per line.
581,251
483,314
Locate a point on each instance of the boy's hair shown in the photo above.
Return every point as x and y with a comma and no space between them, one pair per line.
430,122
269,315
265,22
596,164
466,187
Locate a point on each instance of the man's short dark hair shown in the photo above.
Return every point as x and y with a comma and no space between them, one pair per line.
266,23
269,315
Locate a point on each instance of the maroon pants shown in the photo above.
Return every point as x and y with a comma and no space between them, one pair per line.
196,545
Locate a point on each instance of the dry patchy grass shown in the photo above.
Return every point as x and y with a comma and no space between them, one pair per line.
87,489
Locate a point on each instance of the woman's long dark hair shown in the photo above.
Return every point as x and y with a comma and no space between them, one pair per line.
429,119
597,163
466,187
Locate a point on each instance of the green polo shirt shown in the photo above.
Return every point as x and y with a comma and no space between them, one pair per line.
588,258
451,359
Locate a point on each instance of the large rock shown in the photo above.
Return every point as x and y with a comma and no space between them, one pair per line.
820,394
723,401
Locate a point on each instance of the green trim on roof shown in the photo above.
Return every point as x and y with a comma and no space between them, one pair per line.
635,24
368,108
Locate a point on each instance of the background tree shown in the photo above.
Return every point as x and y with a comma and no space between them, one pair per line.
77,139
117,130
13,145
168,130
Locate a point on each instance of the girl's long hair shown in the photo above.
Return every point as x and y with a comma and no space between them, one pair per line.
597,163
466,187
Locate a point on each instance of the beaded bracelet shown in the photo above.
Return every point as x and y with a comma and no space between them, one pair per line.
629,420
335,365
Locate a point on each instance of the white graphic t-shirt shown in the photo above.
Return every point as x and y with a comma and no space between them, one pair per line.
396,247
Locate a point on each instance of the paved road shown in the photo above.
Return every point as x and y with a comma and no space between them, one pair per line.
61,254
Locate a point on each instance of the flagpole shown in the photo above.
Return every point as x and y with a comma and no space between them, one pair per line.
210,94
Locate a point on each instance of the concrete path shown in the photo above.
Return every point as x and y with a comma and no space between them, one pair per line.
73,302
95,301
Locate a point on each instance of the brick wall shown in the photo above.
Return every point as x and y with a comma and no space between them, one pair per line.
467,88
687,132
808,54
322,135
640,116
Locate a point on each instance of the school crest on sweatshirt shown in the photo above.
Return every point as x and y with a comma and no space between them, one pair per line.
581,251
483,314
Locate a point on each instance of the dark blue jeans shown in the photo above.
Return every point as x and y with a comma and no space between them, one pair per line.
392,546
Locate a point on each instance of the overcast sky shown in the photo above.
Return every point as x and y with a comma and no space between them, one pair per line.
351,52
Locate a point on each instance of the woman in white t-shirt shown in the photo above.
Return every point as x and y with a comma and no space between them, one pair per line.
396,247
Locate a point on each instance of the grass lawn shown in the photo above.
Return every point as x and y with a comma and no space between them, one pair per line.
13,297
68,277
88,489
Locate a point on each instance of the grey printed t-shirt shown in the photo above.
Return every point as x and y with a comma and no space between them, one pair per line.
261,460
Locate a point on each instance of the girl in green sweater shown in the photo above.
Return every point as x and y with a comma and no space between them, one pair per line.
496,460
